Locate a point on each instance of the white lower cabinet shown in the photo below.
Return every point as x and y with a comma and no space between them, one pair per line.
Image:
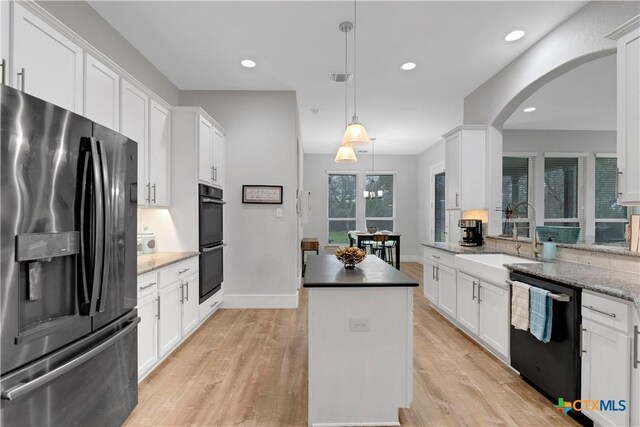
483,310
468,302
169,311
494,317
429,281
190,309
147,333
607,359
169,317
446,277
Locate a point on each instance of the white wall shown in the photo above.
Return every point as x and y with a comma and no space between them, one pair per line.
88,24
574,42
568,141
261,148
406,215
425,161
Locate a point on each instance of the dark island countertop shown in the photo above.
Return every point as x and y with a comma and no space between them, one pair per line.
326,271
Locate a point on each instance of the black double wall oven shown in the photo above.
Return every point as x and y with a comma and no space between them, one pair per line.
211,241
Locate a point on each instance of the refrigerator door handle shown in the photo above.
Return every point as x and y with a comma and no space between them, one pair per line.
21,389
83,249
106,194
98,232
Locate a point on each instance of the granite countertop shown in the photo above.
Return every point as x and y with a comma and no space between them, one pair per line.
326,271
615,283
457,249
603,248
156,260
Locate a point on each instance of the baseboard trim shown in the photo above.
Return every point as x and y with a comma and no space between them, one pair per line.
410,258
261,300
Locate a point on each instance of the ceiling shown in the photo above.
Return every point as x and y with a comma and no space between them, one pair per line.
582,99
457,45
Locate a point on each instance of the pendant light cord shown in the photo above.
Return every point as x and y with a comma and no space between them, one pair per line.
355,55
346,95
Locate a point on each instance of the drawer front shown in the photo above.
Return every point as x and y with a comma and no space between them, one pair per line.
606,311
211,305
178,271
440,257
147,284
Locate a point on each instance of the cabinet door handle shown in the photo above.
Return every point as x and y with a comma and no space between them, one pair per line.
184,271
215,304
437,272
479,290
435,256
158,315
22,74
590,307
457,200
148,286
148,193
186,285
212,173
3,64
154,193
182,292
473,291
582,350
618,173
636,334
433,272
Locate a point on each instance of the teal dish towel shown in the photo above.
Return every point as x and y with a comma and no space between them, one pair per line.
540,314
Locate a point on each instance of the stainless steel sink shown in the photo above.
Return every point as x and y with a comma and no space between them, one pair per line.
489,267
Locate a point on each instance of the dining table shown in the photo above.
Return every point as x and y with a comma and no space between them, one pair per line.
356,238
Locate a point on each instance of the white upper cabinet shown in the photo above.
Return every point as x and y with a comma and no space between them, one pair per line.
134,124
452,162
158,154
101,94
205,151
46,64
465,165
218,158
628,111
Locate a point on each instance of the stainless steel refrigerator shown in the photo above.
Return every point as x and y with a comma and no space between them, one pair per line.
68,268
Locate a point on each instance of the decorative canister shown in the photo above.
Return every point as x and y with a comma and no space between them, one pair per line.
148,241
139,245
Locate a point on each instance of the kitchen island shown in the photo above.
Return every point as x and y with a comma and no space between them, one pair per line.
360,342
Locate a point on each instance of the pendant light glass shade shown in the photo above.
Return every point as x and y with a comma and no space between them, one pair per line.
355,135
345,155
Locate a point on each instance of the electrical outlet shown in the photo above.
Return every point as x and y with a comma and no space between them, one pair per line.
359,325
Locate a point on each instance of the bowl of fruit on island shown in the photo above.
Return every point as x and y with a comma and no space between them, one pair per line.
350,256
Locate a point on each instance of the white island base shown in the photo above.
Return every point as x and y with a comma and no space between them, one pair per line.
360,377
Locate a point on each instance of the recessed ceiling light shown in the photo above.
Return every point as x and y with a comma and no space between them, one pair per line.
408,66
247,63
529,109
514,35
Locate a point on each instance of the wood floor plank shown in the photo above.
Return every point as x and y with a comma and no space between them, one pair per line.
249,368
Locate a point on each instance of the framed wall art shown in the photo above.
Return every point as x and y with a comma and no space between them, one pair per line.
262,194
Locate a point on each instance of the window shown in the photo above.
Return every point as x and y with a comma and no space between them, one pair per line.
439,210
561,191
515,190
379,212
342,207
610,218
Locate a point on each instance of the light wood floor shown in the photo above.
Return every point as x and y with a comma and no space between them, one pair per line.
249,367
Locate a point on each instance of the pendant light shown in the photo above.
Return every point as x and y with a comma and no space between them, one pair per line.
345,154
355,134
371,194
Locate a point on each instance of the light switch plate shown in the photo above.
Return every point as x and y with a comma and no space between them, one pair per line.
279,213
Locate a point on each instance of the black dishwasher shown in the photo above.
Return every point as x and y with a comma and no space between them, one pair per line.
553,367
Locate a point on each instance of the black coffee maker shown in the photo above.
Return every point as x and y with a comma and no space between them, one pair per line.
471,232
